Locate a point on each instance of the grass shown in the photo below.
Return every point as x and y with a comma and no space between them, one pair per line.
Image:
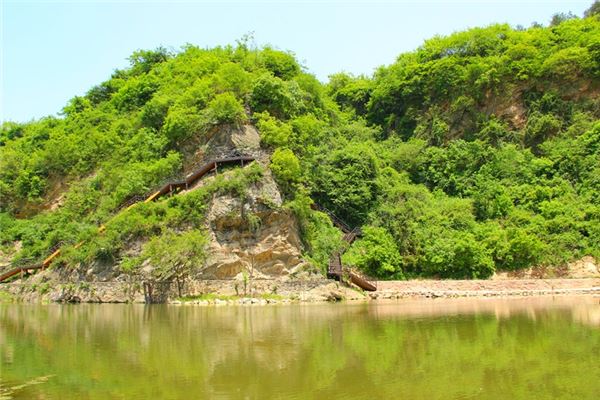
271,296
208,297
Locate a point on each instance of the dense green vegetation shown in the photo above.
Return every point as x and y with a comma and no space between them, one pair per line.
476,152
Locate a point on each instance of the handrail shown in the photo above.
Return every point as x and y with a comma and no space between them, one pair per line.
129,202
179,181
360,281
166,187
17,270
334,218
335,267
31,263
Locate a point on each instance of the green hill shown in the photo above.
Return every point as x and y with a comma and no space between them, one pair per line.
477,152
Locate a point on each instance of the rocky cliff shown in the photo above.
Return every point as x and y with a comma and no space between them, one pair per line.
251,234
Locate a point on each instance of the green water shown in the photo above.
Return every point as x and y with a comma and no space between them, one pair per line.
429,349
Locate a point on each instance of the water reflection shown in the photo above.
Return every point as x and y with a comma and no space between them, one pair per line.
463,348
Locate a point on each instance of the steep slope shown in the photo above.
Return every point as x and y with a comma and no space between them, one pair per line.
153,123
487,150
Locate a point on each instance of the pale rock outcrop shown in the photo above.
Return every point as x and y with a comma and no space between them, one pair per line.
227,140
252,236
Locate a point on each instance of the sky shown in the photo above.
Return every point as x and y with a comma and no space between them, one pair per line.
51,50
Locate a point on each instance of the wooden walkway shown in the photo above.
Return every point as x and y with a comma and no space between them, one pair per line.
28,266
335,268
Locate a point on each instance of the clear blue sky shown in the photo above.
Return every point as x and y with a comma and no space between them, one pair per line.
53,50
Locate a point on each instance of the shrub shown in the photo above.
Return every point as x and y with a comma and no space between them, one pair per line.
232,77
568,63
376,253
345,181
457,255
540,127
135,93
225,109
282,65
182,123
176,255
272,94
273,132
286,168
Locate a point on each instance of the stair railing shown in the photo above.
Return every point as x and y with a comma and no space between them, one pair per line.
175,181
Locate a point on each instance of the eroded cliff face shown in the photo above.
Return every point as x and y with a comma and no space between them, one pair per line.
223,141
252,235
249,236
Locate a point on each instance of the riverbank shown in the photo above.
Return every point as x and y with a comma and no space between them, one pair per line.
220,292
485,288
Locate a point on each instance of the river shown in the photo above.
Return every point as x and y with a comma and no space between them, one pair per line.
528,348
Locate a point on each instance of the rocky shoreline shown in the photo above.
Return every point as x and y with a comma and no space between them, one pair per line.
262,292
486,288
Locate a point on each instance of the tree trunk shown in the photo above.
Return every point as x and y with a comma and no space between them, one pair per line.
179,281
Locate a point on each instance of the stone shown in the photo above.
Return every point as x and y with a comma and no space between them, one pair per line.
273,249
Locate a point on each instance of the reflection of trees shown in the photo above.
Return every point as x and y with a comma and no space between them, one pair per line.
318,351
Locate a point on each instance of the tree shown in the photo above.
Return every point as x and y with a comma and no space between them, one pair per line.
540,127
272,94
351,92
593,10
135,92
181,123
286,168
176,255
142,61
345,181
225,108
457,255
376,253
272,131
232,77
282,65
559,18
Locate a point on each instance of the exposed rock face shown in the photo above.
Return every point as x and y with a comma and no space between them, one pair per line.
291,290
225,141
242,139
585,267
252,236
508,109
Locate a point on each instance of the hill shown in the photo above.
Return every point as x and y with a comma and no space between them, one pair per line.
478,152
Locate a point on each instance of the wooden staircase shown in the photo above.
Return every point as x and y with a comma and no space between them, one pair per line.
335,268
28,266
